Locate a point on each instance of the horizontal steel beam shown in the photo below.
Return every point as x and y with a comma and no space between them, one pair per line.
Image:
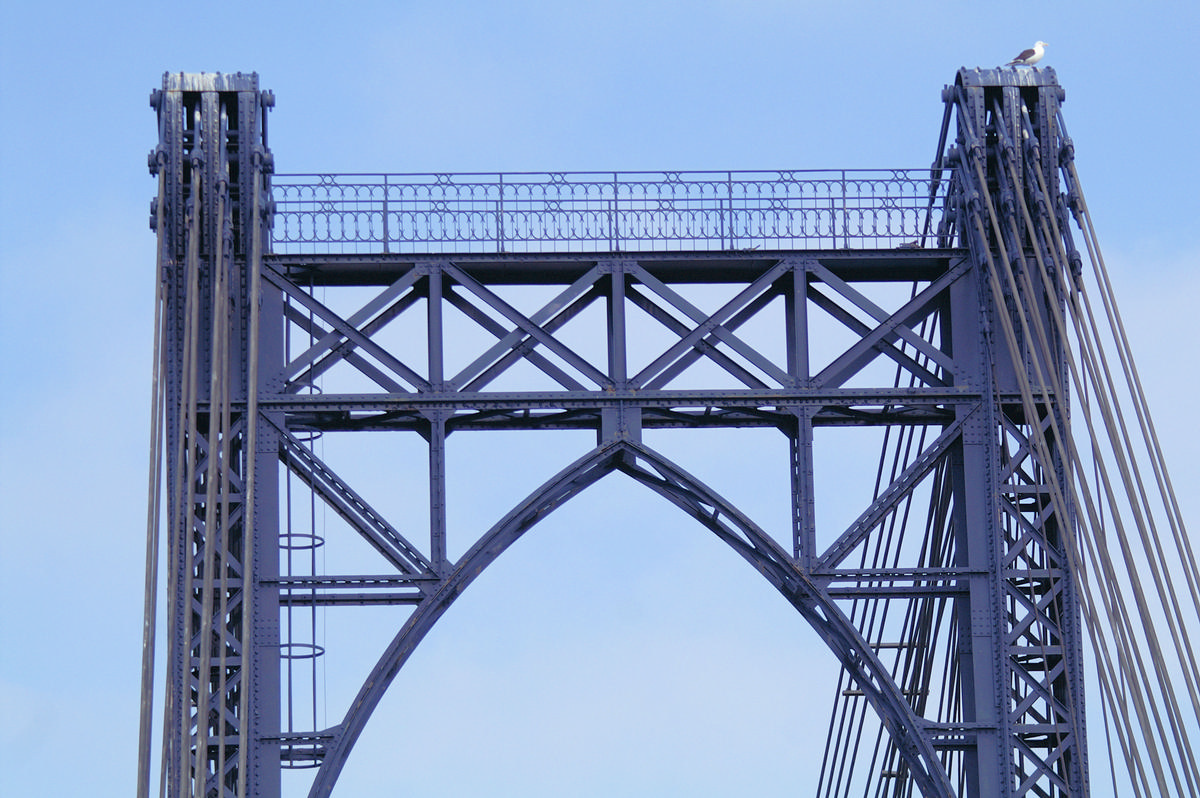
768,397
873,591
864,265
308,599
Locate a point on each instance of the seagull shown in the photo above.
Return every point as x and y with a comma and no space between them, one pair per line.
1031,56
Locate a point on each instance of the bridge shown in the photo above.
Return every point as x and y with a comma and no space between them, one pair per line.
1021,547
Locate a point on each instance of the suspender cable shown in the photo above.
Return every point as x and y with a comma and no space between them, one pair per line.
185,522
1171,707
224,262
1124,350
912,665
1135,490
975,197
254,265
935,175
1141,409
153,510
1154,550
1043,444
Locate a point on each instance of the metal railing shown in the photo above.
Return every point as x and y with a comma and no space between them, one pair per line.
604,211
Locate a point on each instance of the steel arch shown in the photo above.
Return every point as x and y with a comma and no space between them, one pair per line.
991,582
657,472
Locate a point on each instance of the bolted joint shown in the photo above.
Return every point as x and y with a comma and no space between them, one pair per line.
974,201
1008,203
1075,203
978,153
1076,262
1042,203
263,160
1034,191
1033,148
1066,153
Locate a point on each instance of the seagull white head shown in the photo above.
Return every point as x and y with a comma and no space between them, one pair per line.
1031,56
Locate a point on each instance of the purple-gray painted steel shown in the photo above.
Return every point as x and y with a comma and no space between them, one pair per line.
981,580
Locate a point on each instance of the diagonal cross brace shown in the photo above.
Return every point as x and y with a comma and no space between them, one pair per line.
344,352
343,328
528,327
880,315
702,348
527,348
1024,453
896,326
353,508
713,325
514,339
333,339
906,361
888,500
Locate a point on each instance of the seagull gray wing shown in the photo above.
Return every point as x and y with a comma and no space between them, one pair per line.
1025,54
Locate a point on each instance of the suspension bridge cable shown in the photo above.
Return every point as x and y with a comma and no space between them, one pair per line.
1150,436
1110,593
1031,407
1160,568
154,501
225,264
214,525
1141,406
177,747
1015,197
254,265
1120,438
974,197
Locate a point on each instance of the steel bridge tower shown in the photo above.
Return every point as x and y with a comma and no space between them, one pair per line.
949,602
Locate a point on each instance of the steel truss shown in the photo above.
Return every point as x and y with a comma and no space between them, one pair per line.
948,602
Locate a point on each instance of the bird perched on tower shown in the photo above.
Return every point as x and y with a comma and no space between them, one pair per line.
1031,56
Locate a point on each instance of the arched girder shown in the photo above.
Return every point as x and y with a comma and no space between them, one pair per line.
655,471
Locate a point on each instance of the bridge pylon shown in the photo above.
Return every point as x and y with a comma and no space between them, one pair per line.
950,601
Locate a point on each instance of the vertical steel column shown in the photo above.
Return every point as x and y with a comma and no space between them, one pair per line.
619,422
211,217
437,421
1015,663
800,439
1000,157
982,666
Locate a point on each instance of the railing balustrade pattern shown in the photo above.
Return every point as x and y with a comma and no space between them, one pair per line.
605,211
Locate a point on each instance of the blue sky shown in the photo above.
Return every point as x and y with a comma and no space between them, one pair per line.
528,684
